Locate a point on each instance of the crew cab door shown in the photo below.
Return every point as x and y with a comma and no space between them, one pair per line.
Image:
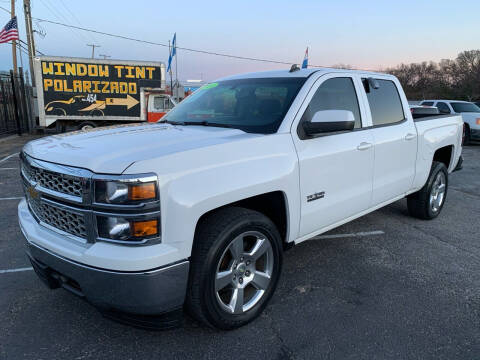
335,168
395,137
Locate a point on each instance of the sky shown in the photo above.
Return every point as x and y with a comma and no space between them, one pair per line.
364,34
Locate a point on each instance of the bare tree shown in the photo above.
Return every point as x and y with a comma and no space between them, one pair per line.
459,78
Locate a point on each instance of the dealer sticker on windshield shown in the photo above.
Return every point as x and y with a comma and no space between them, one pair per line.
209,86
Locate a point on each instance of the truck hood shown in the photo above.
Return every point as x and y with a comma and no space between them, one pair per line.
112,150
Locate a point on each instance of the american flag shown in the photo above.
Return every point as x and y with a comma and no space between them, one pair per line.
10,31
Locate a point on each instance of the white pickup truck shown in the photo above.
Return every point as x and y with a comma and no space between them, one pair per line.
195,213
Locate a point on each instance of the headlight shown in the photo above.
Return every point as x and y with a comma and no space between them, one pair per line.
128,230
129,208
126,191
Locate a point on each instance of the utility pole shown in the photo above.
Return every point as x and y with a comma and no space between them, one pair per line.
93,49
30,38
104,56
176,69
14,42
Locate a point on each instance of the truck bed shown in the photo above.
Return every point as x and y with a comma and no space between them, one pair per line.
424,117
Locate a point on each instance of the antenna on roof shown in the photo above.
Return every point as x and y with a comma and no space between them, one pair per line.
294,68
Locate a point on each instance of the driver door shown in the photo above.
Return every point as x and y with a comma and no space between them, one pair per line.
336,169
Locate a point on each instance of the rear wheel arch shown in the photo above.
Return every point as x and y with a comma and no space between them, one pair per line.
444,155
425,203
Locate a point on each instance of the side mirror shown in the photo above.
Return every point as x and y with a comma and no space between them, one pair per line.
329,121
374,84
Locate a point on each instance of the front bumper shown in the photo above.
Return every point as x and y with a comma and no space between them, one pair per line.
150,292
475,134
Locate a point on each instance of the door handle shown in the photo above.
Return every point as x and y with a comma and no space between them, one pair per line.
364,146
410,136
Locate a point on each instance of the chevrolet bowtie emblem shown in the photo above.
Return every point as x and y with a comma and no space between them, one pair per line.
32,192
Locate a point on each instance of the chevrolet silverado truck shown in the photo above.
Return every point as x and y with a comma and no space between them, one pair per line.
194,213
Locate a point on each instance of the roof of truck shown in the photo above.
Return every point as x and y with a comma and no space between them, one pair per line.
298,73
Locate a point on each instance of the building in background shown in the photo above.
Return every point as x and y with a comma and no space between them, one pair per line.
182,89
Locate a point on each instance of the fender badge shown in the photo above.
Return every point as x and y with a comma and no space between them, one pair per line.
316,196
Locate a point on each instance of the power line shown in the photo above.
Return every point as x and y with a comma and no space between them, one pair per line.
20,40
178,47
76,20
36,50
58,15
160,44
166,45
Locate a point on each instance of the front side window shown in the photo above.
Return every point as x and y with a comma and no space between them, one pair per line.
443,108
252,105
385,103
459,107
334,94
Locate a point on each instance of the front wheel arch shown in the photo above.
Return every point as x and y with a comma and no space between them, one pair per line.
273,205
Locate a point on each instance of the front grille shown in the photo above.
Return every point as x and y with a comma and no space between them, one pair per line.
60,197
63,183
65,220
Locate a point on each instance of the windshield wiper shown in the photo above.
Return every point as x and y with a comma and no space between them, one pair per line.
199,123
173,122
208,123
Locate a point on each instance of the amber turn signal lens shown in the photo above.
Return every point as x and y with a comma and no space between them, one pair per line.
142,192
478,121
145,228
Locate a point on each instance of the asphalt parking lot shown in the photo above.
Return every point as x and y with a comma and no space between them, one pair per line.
386,286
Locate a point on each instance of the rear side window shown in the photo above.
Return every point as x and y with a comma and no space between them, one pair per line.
334,94
427,103
385,104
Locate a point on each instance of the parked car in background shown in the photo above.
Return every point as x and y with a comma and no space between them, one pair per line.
470,114
419,111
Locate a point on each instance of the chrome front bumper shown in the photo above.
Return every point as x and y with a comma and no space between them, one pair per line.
149,292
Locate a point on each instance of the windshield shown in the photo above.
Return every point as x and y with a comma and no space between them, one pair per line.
465,107
252,105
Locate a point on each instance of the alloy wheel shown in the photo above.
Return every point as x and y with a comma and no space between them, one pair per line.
437,194
244,272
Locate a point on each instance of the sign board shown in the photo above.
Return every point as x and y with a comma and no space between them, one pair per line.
91,88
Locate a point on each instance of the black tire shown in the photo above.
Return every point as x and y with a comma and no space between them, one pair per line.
467,136
86,125
60,126
213,237
419,203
